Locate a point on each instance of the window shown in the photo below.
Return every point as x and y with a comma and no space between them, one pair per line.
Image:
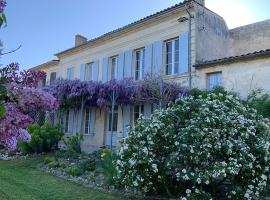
88,72
70,73
67,121
138,110
139,64
172,56
52,77
115,119
113,67
87,116
214,80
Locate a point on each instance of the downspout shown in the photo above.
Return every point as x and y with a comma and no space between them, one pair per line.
189,49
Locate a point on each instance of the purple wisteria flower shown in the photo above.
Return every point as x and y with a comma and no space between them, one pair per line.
3,4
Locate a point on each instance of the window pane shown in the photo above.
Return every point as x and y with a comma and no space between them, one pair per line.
214,80
66,121
169,69
115,120
113,66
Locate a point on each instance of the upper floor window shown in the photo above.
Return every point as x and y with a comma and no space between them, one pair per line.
88,71
139,64
70,73
52,77
113,67
214,80
172,56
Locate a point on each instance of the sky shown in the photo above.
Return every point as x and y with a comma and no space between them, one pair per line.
45,27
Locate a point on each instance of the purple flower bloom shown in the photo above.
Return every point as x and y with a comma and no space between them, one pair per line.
3,4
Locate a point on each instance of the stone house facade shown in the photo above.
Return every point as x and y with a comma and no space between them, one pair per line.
187,43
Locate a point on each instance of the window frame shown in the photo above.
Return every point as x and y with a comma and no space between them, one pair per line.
90,66
67,122
208,80
87,122
68,73
140,111
112,75
174,51
51,82
141,61
115,125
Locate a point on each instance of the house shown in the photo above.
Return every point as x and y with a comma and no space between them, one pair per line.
187,43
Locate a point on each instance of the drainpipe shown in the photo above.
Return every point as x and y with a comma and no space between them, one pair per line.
189,49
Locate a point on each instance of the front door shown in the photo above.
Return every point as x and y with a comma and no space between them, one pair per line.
111,129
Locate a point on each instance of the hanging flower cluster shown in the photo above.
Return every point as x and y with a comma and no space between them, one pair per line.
30,78
127,91
12,127
208,145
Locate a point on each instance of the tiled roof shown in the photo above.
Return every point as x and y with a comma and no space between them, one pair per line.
49,63
262,53
176,6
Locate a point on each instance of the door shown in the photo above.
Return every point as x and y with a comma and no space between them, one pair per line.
111,129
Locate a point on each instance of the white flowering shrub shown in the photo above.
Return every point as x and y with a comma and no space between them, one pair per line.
207,145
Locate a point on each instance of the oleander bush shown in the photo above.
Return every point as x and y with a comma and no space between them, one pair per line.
207,145
45,138
260,100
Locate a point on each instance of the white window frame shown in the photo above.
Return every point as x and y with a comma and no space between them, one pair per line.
88,75
115,120
174,51
215,74
111,71
139,68
87,121
141,111
51,82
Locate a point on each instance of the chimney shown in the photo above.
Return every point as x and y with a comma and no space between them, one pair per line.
201,2
79,40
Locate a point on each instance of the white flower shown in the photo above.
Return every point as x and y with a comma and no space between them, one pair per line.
188,191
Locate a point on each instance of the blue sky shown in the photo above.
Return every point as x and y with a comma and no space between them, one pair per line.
45,27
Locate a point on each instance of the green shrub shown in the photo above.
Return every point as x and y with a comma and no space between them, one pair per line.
260,101
74,171
43,139
207,145
62,165
53,164
48,159
73,143
89,165
109,165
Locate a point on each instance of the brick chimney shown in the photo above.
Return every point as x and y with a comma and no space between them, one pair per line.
79,40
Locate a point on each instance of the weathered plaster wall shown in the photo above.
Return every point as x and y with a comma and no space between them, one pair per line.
250,38
212,35
241,77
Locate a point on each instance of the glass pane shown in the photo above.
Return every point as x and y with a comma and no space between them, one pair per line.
169,69
169,47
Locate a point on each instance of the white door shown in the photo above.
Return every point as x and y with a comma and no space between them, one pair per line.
111,129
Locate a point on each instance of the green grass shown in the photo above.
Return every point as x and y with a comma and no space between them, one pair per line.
21,180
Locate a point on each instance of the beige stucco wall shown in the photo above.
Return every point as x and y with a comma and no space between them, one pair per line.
241,77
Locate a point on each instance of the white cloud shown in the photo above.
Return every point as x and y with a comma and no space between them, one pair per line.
235,12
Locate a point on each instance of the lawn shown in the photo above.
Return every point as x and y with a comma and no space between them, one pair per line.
21,180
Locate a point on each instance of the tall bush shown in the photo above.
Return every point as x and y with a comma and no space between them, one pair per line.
207,145
44,138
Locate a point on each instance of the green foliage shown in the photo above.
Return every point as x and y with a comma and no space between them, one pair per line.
73,143
43,139
207,145
3,20
48,159
260,101
89,165
3,93
53,164
109,159
74,171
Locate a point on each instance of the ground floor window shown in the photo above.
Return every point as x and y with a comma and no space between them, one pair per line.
214,80
66,121
87,118
138,110
115,119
